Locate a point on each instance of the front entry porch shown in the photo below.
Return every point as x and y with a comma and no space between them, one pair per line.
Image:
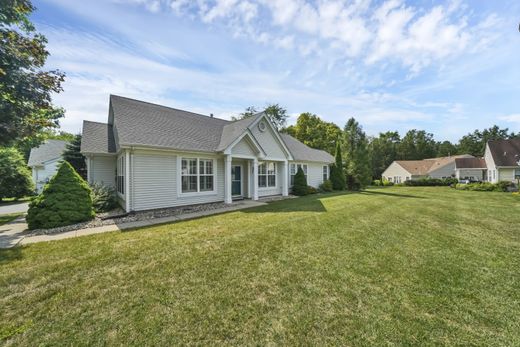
241,178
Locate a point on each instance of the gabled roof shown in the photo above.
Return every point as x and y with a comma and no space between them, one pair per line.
426,166
51,149
97,138
303,152
143,123
505,152
470,163
138,123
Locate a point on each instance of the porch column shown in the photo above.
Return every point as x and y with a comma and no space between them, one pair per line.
227,179
127,181
285,180
248,173
255,179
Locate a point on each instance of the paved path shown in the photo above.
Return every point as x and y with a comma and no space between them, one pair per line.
11,234
16,207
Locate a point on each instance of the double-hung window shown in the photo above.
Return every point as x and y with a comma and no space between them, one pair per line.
120,175
266,174
294,170
325,172
197,175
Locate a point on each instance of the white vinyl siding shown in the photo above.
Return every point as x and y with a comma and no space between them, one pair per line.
277,190
396,172
103,170
156,182
268,142
243,148
43,173
506,175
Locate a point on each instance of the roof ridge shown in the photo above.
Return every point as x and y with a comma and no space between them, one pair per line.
92,121
168,107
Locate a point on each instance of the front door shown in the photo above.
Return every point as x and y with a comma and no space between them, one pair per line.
236,180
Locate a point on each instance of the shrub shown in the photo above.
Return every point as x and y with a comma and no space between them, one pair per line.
482,187
423,182
15,176
326,186
300,183
103,198
65,200
504,186
387,183
337,178
311,190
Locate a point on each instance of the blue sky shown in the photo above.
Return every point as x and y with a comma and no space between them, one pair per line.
446,67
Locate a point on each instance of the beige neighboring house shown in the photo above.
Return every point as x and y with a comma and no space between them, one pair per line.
404,170
44,160
501,162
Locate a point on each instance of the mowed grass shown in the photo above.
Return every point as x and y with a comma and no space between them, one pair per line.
393,266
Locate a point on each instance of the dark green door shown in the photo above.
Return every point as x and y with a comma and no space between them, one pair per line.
236,180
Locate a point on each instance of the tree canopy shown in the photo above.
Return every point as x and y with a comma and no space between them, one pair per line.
314,132
276,113
25,87
357,160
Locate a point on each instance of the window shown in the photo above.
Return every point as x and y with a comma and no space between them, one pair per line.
197,175
397,179
120,175
325,172
266,174
517,173
294,170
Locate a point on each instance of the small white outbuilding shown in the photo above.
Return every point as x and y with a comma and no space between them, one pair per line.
44,161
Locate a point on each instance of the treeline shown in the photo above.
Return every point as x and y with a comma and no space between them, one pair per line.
377,152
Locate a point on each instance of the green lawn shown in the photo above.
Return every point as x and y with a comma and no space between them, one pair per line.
393,266
6,218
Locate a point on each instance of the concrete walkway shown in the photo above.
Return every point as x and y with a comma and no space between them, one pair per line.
14,207
12,234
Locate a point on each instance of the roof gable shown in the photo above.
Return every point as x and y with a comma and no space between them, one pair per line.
505,152
51,149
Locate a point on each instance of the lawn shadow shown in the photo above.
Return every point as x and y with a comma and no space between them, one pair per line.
8,255
395,195
311,203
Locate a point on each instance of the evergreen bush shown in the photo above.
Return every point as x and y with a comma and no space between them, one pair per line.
65,200
103,198
300,183
15,177
326,186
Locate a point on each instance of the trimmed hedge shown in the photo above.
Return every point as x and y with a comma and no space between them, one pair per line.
326,186
432,182
502,186
65,200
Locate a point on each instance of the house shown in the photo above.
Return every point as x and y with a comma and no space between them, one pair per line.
158,157
404,170
501,162
44,160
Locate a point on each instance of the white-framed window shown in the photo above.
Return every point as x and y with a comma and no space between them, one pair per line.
120,175
294,169
397,179
197,175
517,173
325,172
266,174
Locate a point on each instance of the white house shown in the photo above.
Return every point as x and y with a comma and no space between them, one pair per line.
158,157
404,170
501,162
43,161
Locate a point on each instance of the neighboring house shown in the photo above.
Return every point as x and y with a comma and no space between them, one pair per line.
43,161
157,157
404,170
501,162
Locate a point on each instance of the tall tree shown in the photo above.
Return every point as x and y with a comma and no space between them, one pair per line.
446,149
276,113
357,160
25,87
73,155
314,132
475,143
337,176
417,145
15,176
383,151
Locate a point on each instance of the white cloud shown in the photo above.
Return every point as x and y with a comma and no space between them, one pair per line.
511,118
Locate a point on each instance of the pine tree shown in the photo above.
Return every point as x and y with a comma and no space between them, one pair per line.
357,167
65,200
337,175
73,155
300,183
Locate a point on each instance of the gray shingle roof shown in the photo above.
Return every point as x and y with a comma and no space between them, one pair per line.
233,130
303,152
97,138
142,123
51,149
505,152
146,124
